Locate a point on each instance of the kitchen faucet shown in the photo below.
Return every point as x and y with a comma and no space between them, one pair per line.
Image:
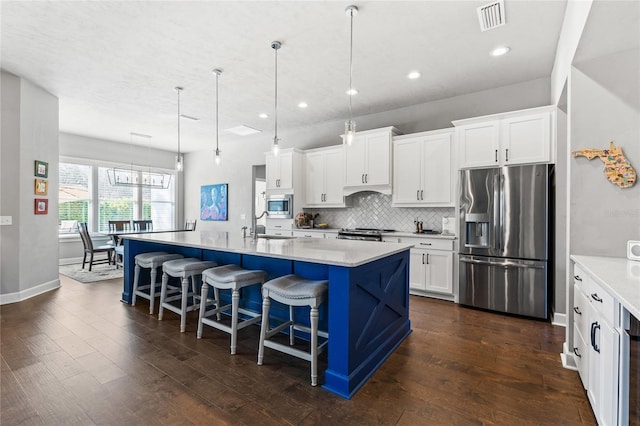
254,230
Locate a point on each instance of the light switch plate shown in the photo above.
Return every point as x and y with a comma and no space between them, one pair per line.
6,220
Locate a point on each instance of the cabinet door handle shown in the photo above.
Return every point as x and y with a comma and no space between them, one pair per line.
422,194
575,351
425,244
366,178
496,155
577,310
277,233
418,194
423,258
427,258
363,178
577,278
594,327
506,154
595,297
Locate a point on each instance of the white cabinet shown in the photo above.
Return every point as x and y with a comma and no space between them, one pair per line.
431,267
596,344
368,161
423,170
324,170
284,172
303,233
279,232
519,137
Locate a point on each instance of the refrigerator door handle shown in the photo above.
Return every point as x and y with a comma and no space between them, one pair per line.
504,264
502,213
496,212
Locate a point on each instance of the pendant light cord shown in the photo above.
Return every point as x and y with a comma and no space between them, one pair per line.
351,65
275,138
178,90
217,75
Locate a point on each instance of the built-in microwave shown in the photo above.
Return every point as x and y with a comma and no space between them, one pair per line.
280,206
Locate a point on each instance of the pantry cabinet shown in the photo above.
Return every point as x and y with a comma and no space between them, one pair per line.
423,173
519,137
324,170
368,161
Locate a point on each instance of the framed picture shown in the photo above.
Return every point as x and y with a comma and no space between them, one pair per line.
41,169
41,187
41,206
214,202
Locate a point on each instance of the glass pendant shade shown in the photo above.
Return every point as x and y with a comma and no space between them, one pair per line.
275,148
349,131
179,163
218,159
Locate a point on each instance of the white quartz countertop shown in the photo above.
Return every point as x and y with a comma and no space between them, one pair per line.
618,276
413,234
325,251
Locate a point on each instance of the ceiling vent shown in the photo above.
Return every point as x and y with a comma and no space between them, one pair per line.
491,15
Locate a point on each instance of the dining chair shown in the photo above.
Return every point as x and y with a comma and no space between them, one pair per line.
190,225
90,250
142,225
119,225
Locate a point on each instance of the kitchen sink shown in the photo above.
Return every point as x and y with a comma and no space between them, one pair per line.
275,237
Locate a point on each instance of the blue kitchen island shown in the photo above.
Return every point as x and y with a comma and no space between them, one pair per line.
367,314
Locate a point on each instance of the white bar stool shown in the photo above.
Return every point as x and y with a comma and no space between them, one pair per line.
228,277
153,261
181,268
293,290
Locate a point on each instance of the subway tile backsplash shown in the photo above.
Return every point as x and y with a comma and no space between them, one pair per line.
373,210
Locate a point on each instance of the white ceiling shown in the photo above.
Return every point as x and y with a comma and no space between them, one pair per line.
113,65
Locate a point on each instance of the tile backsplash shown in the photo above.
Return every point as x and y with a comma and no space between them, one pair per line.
373,210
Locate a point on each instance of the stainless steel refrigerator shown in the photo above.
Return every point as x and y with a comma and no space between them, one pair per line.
504,239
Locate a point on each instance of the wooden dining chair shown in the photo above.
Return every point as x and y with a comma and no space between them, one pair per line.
143,225
90,250
190,225
120,225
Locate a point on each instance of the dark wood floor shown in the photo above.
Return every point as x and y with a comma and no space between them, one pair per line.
77,355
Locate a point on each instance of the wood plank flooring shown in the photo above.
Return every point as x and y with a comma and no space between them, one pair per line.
77,355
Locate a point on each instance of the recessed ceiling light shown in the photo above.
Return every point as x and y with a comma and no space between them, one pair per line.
352,92
499,51
302,105
263,115
243,130
413,75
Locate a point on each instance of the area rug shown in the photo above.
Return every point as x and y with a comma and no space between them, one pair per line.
98,272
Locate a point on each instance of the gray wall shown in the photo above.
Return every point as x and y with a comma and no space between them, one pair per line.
604,106
30,244
238,158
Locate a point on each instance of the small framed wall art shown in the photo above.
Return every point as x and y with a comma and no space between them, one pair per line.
41,169
213,202
40,206
41,187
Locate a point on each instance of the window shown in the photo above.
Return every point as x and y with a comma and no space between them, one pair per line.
87,195
74,196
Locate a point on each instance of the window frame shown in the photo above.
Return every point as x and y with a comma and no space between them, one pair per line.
138,202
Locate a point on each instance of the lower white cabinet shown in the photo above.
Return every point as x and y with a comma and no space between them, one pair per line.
431,267
279,232
596,344
302,233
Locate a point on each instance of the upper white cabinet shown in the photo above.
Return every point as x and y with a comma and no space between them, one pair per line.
324,170
368,161
519,137
284,171
423,169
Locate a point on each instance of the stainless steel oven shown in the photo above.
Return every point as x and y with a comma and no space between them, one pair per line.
280,206
362,234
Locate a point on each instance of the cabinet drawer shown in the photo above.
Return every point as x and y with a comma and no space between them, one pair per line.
603,302
581,311
428,243
580,278
581,354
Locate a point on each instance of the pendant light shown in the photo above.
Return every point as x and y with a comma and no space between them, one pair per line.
276,45
350,125
179,157
217,72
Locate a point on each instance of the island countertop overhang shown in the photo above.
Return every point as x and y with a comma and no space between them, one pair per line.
348,253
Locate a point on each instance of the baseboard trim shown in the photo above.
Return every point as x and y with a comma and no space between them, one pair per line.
559,319
29,293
